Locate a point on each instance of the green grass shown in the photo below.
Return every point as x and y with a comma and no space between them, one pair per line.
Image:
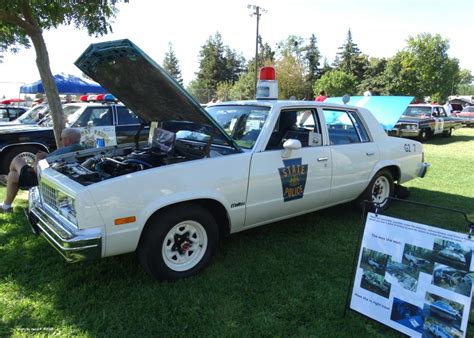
286,279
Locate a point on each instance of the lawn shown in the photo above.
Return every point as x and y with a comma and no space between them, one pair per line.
290,278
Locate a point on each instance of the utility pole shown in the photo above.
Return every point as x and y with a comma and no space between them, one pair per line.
257,11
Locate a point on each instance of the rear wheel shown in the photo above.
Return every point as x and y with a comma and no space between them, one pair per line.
379,189
25,152
448,133
178,243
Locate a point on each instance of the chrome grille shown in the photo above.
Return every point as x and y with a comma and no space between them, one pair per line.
49,195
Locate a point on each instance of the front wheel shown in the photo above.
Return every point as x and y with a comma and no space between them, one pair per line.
379,189
178,243
424,135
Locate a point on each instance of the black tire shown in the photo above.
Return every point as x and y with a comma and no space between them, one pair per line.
380,186
448,133
27,150
424,135
167,239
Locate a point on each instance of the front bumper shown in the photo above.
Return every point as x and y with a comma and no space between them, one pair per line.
73,244
423,169
409,133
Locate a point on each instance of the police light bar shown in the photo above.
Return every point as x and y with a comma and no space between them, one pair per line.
98,98
267,86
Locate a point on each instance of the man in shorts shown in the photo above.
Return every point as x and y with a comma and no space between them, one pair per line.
23,176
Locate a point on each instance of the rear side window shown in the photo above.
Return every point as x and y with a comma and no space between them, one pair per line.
344,127
125,116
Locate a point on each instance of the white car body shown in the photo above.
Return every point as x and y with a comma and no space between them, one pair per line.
241,189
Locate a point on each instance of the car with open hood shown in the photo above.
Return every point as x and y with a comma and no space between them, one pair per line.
206,173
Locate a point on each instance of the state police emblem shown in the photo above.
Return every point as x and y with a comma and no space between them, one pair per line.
293,179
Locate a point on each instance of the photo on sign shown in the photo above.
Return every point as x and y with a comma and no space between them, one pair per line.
434,329
403,275
407,314
374,265
444,310
452,279
418,258
452,254
374,261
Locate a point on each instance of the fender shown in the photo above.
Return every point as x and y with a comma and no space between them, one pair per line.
41,145
114,236
384,164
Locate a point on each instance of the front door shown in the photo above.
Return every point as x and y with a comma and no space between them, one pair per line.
284,183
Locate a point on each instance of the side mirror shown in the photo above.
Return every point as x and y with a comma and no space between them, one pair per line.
289,146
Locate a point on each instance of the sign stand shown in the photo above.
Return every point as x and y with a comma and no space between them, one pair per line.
373,261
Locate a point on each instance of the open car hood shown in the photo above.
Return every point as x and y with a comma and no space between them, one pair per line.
386,109
142,85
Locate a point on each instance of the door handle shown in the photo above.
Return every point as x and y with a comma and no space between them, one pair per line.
370,153
322,159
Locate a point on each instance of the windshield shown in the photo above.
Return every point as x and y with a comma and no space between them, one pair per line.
68,113
417,111
33,115
242,123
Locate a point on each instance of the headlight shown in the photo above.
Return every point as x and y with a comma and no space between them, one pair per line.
410,127
65,207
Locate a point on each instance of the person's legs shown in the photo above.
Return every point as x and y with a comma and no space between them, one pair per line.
12,183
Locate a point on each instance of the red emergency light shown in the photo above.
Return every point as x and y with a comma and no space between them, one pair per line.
267,73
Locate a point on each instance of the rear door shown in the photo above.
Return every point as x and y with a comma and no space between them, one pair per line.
353,153
283,184
127,125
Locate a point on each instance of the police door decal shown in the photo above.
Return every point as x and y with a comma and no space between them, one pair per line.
293,179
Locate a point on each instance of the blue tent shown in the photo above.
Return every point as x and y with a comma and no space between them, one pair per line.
67,84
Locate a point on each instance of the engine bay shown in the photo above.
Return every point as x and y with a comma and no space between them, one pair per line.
95,165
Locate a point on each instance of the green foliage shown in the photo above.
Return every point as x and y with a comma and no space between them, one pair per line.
289,72
423,69
336,83
244,89
347,57
223,91
218,63
374,77
171,65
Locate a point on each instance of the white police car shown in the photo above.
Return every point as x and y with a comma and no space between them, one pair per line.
205,174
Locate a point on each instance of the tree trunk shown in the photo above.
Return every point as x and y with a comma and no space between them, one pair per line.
49,85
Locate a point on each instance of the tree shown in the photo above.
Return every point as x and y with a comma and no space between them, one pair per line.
171,64
423,68
336,83
212,64
465,84
312,56
346,57
374,78
23,21
290,77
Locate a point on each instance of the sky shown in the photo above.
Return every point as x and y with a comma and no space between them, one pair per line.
379,27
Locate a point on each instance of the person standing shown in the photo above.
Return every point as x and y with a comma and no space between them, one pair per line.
23,176
322,96
368,92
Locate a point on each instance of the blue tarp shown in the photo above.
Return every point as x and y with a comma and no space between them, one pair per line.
67,84
386,109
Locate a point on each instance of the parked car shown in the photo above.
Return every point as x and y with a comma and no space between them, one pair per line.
444,310
198,180
416,262
25,139
467,114
9,113
453,255
423,121
31,116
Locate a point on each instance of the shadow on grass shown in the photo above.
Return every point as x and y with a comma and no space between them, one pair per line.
439,141
287,278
